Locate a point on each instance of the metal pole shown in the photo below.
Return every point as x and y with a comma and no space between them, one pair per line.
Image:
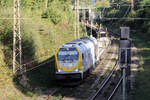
126,56
124,84
19,37
75,19
132,5
84,5
17,49
100,15
46,4
14,37
85,15
91,23
78,24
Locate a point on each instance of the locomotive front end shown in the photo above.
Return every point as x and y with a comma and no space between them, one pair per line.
68,63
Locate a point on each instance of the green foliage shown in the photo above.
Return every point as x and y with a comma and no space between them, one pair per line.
143,25
30,40
53,14
6,3
141,90
113,12
33,4
58,11
6,32
40,39
145,2
2,63
102,4
132,14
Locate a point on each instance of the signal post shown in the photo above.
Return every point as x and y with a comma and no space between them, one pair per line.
125,58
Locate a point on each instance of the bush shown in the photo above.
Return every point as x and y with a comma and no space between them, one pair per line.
53,14
58,11
6,32
6,3
132,14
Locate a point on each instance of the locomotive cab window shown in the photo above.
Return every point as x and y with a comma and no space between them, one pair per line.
68,57
103,35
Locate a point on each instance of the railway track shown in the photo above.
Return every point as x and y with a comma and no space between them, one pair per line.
115,89
74,93
101,72
108,87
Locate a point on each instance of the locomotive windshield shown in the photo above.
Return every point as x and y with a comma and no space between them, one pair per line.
67,57
103,35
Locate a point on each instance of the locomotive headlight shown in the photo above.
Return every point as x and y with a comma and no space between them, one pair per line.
76,70
60,70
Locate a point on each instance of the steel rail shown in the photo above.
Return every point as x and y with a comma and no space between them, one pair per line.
105,81
114,91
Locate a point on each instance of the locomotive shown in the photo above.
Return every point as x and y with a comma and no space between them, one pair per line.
77,58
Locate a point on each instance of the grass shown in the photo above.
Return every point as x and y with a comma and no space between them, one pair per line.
7,90
40,38
142,86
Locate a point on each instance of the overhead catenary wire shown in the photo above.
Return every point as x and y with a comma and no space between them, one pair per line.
111,22
134,6
106,18
117,19
125,14
136,18
101,18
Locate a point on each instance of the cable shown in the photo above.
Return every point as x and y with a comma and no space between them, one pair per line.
120,19
37,66
25,64
112,20
125,14
27,70
127,11
127,18
13,18
32,61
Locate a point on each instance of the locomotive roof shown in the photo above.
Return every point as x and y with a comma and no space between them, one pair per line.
78,42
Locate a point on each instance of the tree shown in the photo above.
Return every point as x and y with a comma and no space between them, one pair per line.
102,4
